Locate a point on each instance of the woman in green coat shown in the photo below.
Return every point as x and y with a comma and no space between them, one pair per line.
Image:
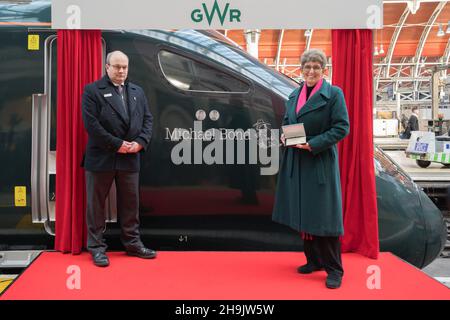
308,197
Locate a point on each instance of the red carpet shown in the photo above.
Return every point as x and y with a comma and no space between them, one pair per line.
218,275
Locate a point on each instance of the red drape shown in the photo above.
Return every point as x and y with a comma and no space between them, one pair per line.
79,62
352,71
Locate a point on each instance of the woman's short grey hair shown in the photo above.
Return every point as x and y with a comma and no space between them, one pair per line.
314,55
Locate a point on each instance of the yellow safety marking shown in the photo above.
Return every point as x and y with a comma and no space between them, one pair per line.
20,196
33,42
4,283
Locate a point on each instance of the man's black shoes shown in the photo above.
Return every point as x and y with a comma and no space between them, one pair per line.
333,281
100,259
143,253
308,268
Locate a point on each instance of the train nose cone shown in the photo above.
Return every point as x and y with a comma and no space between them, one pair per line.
436,229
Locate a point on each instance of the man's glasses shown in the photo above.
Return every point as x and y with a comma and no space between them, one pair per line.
314,68
118,67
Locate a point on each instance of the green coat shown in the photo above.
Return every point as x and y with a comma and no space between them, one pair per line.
308,196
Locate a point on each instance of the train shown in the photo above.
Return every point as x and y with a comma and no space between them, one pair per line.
192,79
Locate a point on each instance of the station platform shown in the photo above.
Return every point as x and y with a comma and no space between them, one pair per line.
391,143
218,276
436,175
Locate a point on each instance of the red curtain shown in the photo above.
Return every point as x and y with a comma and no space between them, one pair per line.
79,57
352,71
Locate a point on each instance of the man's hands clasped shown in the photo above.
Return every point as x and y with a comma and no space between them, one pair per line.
130,147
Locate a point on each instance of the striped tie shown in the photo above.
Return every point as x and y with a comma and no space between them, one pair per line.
120,87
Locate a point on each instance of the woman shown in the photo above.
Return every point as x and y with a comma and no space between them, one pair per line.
308,197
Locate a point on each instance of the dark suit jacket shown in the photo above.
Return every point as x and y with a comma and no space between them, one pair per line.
413,125
108,126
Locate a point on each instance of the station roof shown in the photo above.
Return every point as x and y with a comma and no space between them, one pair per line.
405,36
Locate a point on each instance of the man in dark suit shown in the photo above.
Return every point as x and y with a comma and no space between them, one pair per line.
119,125
413,123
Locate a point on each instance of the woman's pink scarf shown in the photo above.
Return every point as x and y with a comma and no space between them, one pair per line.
302,98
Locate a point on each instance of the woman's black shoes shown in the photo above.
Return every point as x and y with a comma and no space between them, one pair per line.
308,268
333,281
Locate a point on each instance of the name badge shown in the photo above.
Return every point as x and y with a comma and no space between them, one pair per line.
106,95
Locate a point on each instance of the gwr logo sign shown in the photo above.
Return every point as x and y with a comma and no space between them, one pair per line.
197,15
219,14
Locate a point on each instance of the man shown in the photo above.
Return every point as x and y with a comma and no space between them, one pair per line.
119,125
413,123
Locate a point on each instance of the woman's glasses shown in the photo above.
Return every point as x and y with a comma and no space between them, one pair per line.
308,68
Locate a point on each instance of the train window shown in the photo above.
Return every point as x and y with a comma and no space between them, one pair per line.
187,74
386,165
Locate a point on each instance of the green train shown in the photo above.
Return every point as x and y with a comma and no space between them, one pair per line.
188,76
